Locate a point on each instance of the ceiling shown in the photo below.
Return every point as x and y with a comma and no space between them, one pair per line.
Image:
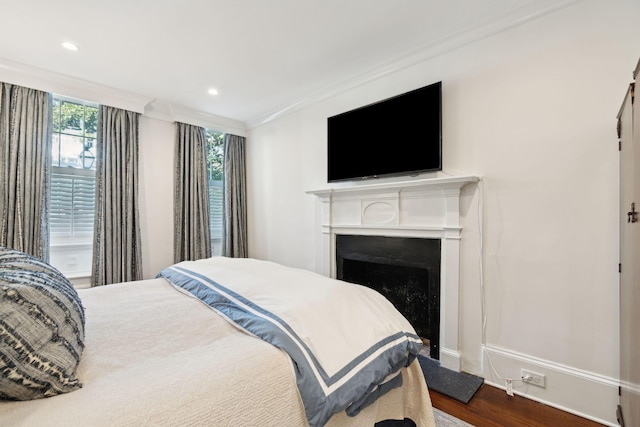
263,57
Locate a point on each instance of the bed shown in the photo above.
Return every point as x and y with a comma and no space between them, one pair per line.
172,352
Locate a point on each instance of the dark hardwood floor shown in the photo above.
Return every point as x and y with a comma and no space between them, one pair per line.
492,407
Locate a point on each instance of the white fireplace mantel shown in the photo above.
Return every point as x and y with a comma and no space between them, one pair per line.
424,208
443,182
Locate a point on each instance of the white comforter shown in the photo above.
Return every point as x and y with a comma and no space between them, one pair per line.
154,356
347,341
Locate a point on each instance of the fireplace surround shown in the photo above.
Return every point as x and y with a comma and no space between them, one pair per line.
427,208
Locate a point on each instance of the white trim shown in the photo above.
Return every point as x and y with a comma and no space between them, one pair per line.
529,12
424,208
80,282
173,113
73,260
440,182
83,91
76,245
566,386
36,78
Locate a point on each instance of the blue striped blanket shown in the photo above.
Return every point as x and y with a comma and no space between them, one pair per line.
347,342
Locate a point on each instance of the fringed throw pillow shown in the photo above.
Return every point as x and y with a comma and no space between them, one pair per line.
41,329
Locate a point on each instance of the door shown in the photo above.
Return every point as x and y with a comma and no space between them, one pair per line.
629,134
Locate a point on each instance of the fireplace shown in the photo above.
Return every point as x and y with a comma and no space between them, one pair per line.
405,270
419,209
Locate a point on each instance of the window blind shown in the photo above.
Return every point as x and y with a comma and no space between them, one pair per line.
215,208
72,202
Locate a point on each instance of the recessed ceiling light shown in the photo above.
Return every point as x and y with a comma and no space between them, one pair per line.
212,91
70,46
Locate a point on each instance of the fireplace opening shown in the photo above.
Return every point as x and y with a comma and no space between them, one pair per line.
405,270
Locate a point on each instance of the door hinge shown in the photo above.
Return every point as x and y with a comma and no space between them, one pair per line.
619,130
619,145
619,267
632,216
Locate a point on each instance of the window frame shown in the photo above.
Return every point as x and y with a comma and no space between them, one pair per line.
215,188
71,252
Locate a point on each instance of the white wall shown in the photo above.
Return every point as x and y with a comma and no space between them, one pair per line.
531,110
157,145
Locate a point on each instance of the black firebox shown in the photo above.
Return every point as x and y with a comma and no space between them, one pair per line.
406,270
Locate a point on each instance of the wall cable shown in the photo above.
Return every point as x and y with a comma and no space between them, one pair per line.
495,372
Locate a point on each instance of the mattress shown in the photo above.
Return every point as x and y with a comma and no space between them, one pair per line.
155,356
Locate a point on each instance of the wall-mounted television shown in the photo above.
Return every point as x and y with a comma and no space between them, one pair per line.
397,136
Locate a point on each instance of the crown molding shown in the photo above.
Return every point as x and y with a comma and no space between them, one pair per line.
71,87
36,78
519,16
163,110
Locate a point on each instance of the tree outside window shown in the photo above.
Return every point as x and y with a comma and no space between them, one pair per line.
72,206
75,127
215,170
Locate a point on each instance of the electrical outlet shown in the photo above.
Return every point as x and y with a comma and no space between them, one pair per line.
530,377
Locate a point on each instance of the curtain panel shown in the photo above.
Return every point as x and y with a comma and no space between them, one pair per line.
25,165
192,235
116,246
234,233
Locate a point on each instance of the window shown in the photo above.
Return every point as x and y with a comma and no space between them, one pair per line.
71,214
215,169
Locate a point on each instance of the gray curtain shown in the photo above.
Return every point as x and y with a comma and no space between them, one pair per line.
25,165
192,235
116,245
234,232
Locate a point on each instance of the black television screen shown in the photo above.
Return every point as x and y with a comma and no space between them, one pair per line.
401,135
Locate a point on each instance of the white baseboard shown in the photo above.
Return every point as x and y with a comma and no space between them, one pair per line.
572,390
450,359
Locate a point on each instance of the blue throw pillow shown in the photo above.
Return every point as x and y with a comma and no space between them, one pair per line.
41,329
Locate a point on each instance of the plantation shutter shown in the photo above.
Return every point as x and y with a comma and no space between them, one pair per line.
72,202
216,210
